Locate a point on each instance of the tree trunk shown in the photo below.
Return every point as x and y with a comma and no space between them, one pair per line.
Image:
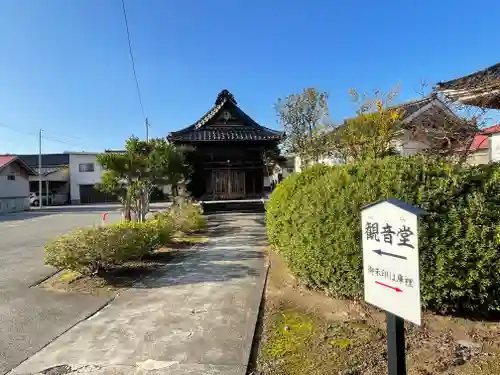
127,214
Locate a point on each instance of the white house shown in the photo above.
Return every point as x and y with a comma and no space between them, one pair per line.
404,143
84,173
14,184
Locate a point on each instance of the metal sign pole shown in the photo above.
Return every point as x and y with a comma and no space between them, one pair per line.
396,345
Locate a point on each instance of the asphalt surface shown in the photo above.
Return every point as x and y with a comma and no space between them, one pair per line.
30,318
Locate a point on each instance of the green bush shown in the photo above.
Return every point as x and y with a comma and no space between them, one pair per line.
188,218
314,222
89,250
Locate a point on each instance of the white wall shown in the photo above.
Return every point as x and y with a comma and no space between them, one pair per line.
77,178
494,145
18,188
329,160
477,157
406,146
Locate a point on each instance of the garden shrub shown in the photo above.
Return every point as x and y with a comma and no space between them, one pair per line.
314,221
92,249
188,218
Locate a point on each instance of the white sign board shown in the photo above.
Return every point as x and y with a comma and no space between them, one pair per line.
390,258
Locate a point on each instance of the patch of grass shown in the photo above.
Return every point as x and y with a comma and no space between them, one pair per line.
301,343
292,331
68,276
343,344
189,239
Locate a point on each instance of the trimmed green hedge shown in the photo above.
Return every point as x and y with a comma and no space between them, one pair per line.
314,221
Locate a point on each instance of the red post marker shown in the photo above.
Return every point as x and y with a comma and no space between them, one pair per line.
396,289
104,217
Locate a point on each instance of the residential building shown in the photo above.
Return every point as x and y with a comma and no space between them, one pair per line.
414,113
485,147
284,167
85,173
479,89
54,175
14,184
493,134
68,177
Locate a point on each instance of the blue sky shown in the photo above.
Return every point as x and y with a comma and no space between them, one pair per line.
65,67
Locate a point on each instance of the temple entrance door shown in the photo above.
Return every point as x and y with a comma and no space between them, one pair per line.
228,184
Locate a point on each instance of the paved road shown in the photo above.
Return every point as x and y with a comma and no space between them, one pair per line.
30,317
196,315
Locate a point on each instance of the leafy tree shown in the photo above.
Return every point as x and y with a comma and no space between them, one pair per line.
371,133
304,118
131,175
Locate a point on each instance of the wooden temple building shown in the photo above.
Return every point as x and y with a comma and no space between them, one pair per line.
479,89
227,152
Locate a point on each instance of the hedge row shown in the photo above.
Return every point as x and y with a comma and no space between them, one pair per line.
314,220
93,249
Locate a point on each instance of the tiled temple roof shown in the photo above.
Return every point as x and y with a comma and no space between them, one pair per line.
225,122
481,89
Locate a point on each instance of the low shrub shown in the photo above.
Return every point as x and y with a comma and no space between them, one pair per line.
92,249
314,220
188,218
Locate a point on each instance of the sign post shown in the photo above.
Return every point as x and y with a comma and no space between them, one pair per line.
391,270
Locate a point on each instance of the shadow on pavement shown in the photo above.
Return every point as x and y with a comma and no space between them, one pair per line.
25,215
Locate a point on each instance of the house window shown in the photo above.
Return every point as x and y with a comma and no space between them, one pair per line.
86,167
11,177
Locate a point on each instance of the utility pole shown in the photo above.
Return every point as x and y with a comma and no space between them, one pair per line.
40,169
147,130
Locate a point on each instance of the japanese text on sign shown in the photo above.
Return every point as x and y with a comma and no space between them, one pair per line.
388,275
403,234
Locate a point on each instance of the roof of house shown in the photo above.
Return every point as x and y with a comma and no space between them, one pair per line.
410,109
225,122
481,89
480,141
51,160
9,159
490,75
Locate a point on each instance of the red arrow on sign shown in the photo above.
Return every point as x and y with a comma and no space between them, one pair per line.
390,287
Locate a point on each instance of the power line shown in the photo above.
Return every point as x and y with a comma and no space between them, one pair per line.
19,131
132,59
36,134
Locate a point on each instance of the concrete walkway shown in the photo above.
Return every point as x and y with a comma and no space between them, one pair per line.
197,315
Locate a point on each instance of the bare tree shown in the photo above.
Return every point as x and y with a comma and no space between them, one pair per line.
304,118
448,128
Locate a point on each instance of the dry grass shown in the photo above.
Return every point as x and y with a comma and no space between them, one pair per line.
305,332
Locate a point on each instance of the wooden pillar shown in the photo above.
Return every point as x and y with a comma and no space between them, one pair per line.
253,182
214,184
